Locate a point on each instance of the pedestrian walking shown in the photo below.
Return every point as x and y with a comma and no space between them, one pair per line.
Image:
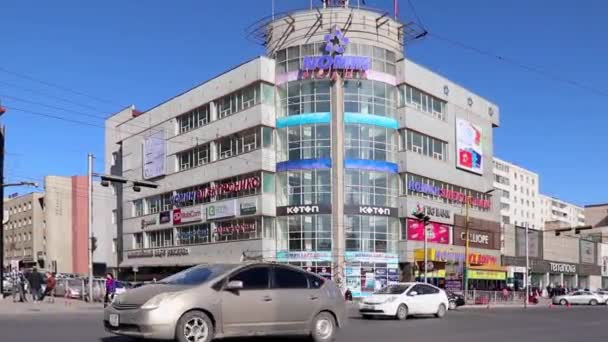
51,282
110,289
35,280
21,286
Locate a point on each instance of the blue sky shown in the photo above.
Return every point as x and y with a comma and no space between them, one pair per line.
124,53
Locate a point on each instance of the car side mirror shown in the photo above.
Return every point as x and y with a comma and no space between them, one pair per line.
413,293
234,285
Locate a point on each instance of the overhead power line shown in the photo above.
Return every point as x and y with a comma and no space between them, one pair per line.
521,65
36,91
54,85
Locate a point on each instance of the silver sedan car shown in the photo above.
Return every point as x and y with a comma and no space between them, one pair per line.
215,301
579,297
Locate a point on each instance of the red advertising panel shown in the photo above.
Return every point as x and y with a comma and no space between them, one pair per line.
437,232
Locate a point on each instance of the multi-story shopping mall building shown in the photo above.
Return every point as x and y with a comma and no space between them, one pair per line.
316,154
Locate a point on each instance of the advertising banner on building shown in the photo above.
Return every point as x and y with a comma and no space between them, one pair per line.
221,210
436,232
286,256
535,248
469,146
154,155
587,250
604,258
388,258
187,215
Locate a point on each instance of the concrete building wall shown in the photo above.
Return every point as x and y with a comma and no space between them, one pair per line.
568,214
80,225
596,215
58,217
519,195
561,248
24,230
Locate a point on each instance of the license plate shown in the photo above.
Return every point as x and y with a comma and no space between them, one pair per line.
114,320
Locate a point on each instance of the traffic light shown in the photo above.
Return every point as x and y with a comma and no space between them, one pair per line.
93,243
422,217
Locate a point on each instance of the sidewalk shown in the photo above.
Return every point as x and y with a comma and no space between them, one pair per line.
61,305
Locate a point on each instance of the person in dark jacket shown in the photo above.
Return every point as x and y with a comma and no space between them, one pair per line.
35,279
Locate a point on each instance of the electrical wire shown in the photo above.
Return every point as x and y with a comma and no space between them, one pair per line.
35,91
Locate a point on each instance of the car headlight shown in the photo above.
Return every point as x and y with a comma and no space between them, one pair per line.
156,301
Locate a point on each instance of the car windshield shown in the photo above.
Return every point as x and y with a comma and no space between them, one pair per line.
393,289
196,275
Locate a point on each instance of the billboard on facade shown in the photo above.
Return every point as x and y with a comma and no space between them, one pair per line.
587,249
436,232
534,242
154,155
469,146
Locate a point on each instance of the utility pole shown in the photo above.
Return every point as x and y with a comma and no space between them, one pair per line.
90,225
527,270
424,220
466,248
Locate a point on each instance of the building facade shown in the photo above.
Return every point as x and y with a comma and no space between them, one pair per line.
24,231
519,195
316,155
558,213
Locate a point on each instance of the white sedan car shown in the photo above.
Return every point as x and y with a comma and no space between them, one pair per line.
406,299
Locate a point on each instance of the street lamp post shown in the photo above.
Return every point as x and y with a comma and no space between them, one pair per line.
466,237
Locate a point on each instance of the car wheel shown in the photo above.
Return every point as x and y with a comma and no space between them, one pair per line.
563,302
323,327
440,311
194,326
452,305
593,302
401,312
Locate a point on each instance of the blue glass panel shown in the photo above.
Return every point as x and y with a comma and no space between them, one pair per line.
369,119
304,164
374,165
303,119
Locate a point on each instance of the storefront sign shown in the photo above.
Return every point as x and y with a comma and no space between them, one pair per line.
148,222
431,266
455,257
303,209
477,238
164,217
562,268
433,211
188,233
285,256
487,275
158,253
436,232
248,208
221,210
235,228
245,184
370,210
371,257
447,194
187,215
334,64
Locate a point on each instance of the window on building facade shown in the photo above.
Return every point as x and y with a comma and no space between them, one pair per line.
502,180
299,187
239,143
425,145
502,167
306,142
506,219
515,187
363,187
194,119
505,206
193,235
370,142
113,220
371,233
138,207
193,157
240,100
422,101
241,229
138,241
369,97
505,193
160,238
304,97
304,232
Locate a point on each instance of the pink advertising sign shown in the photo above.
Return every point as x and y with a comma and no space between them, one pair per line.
437,232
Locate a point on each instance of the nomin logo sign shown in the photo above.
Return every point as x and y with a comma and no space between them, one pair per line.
335,42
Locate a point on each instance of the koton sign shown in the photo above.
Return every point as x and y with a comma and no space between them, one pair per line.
187,215
371,210
303,209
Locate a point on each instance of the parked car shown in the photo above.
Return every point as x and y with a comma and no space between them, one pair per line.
215,301
405,299
455,300
579,297
603,294
7,285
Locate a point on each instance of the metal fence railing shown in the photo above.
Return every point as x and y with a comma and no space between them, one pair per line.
475,297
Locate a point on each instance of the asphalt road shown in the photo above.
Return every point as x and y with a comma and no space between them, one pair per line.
493,325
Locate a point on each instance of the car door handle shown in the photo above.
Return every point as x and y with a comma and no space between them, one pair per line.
314,297
267,299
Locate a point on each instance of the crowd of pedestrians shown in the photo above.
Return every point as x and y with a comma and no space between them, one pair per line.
32,283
